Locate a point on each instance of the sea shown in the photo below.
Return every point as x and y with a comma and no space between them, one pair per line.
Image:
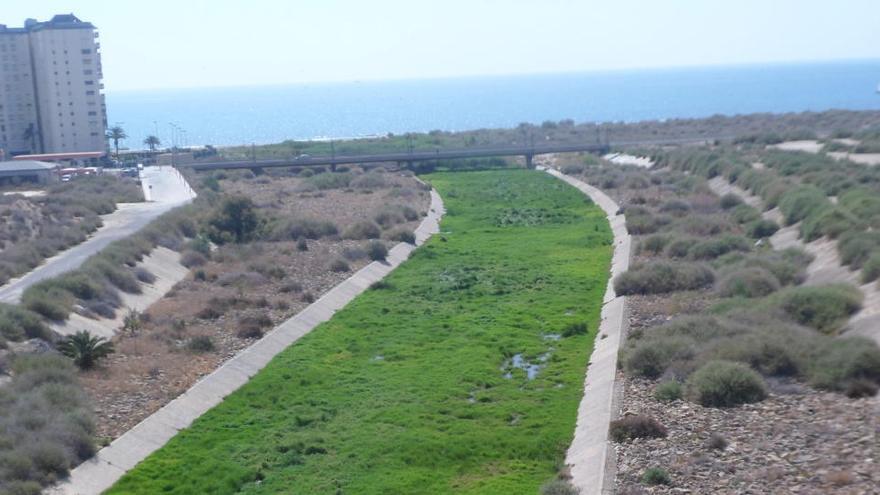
267,114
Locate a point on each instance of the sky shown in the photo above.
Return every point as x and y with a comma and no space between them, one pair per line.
206,43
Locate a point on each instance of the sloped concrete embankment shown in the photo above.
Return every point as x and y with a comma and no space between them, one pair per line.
110,463
590,456
825,268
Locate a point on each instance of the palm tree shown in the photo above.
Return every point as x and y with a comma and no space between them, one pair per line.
116,134
153,142
31,134
84,349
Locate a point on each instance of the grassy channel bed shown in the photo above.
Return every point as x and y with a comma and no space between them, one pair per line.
405,390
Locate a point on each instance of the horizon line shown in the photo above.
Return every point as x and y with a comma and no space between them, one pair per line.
657,68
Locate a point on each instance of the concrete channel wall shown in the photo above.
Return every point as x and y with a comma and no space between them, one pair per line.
110,463
590,457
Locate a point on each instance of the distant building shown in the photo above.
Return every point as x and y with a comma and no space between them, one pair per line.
51,97
27,171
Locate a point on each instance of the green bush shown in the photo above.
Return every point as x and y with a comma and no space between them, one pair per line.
363,230
402,235
304,228
745,214
329,181
830,221
236,220
650,358
801,202
50,302
339,265
662,277
200,344
843,361
680,247
824,308
730,200
726,384
747,282
17,324
656,476
636,426
46,424
759,229
715,247
377,251
871,268
654,244
856,247
558,487
668,391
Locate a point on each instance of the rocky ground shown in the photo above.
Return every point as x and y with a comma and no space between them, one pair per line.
239,293
798,440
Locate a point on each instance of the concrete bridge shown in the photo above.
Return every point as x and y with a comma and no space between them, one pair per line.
405,158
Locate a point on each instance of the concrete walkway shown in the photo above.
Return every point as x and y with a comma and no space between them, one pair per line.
110,463
590,457
164,188
826,267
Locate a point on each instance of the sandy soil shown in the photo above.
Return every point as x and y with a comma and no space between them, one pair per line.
809,146
863,158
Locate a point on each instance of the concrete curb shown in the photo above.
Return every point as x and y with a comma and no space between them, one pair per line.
110,463
590,457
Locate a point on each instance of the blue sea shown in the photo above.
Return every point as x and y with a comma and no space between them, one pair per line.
267,114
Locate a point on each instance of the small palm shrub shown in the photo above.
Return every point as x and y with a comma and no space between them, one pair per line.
85,349
726,384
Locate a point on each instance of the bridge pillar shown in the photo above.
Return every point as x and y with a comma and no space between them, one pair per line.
529,163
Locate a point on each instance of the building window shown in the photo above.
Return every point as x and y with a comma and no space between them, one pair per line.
86,51
90,93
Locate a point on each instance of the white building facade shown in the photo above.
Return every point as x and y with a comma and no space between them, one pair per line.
51,98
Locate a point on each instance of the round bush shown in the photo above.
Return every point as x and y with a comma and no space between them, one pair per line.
748,282
823,308
759,229
636,426
668,391
726,384
377,251
730,200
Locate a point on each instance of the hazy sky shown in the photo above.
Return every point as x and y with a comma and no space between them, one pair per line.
194,43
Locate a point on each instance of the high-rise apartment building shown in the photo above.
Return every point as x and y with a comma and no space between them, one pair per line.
51,98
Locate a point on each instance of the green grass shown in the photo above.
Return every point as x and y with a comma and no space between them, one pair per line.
403,391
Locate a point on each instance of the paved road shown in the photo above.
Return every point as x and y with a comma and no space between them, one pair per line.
164,189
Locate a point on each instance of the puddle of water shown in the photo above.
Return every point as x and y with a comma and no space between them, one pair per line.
519,362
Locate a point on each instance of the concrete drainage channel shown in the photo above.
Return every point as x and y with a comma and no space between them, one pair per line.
590,457
110,463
